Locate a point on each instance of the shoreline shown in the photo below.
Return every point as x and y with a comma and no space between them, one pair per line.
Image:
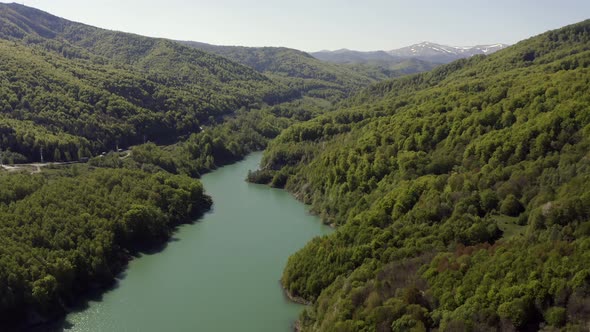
299,300
296,299
54,320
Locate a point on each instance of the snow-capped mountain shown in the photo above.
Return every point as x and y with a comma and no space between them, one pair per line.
428,52
486,49
438,53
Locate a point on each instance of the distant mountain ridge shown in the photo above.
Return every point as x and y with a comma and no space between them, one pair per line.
298,68
426,51
439,53
350,56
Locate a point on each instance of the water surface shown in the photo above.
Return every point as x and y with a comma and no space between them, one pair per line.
221,273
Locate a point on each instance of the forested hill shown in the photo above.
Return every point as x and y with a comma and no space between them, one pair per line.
313,76
462,196
154,55
75,90
278,60
70,91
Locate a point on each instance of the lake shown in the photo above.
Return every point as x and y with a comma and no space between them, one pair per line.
219,274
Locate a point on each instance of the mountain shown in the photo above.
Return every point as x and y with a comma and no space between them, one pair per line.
428,53
437,53
74,90
461,196
379,62
293,67
69,91
82,90
314,77
349,56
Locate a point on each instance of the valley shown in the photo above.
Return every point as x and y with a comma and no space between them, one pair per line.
214,275
152,184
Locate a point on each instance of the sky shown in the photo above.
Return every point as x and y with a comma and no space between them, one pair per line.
313,25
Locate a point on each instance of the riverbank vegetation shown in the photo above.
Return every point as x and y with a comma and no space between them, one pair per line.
70,92
64,231
462,196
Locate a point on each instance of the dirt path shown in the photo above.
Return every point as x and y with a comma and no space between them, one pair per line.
37,167
34,167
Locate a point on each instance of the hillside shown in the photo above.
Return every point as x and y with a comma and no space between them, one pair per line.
461,196
425,52
75,90
351,56
313,77
377,62
70,91
437,53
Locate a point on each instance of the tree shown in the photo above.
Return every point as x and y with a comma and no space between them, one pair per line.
511,206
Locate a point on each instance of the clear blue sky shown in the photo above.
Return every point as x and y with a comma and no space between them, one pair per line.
312,25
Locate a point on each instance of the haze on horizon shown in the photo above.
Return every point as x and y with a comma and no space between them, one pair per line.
328,24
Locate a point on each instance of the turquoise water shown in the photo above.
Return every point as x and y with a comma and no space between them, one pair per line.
221,273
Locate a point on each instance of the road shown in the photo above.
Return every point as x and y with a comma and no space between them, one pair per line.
36,167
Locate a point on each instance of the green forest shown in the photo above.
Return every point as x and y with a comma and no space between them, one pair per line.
64,230
76,91
461,196
71,92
